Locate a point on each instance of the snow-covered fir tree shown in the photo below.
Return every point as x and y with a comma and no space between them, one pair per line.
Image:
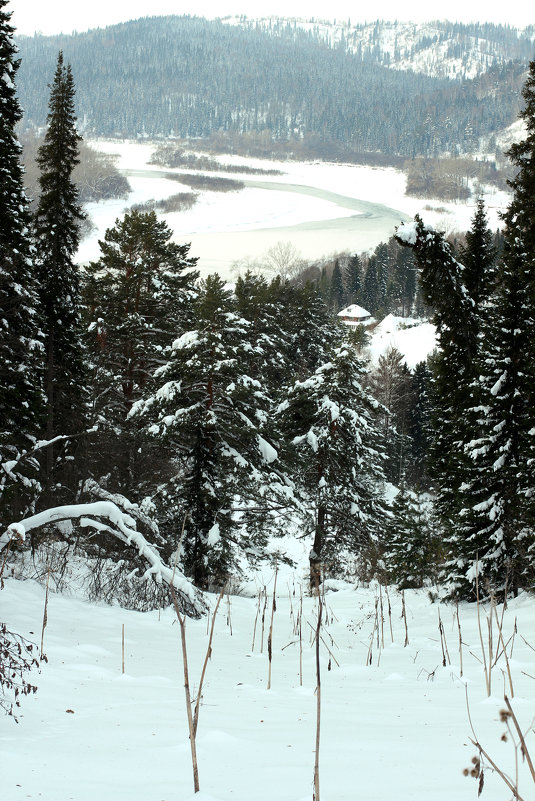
411,548
209,414
496,541
57,236
21,346
328,420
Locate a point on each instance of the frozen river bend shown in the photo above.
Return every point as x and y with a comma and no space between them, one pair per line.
321,208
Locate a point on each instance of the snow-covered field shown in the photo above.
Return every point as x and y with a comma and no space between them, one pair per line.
394,720
320,208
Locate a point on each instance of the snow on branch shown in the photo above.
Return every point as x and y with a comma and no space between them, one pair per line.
122,526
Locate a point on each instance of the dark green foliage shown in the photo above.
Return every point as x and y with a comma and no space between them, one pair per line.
338,293
419,427
57,235
353,278
138,299
411,549
288,84
334,446
21,347
391,384
208,412
499,514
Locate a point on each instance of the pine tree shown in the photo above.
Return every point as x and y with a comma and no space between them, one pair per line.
21,398
57,236
139,298
328,423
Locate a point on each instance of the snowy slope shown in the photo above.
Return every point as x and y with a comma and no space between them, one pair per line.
415,339
394,719
436,49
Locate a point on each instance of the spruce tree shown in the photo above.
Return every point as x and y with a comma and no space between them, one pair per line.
57,236
443,287
353,278
338,296
496,542
208,413
21,398
328,423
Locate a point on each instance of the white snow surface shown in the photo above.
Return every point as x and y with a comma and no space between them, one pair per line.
415,339
311,205
395,728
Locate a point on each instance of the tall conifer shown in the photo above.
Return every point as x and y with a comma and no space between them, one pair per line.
57,236
21,401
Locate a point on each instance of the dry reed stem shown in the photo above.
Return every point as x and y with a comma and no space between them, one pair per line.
404,616
460,637
382,617
256,617
500,639
45,613
443,642
270,635
301,638
487,671
263,620
523,746
205,663
484,753
182,622
389,614
316,795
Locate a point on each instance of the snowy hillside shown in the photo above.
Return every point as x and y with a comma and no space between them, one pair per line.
437,49
394,700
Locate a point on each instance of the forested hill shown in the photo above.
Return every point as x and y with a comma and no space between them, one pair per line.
190,77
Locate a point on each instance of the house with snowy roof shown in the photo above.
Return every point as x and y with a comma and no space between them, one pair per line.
354,315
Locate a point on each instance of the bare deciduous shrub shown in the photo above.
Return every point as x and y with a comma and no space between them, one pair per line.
17,658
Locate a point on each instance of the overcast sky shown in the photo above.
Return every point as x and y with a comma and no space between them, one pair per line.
57,16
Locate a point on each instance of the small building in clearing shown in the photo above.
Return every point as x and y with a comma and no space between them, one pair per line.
354,315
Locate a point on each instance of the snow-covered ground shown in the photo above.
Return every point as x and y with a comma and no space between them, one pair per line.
414,339
320,208
394,719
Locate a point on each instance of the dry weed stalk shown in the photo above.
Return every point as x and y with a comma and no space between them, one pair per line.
270,635
316,794
300,627
404,616
487,669
508,717
205,663
263,620
182,623
460,636
260,596
443,642
389,613
45,613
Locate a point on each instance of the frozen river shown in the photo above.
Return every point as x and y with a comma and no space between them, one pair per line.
321,208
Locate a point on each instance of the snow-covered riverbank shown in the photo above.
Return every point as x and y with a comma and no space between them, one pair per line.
320,208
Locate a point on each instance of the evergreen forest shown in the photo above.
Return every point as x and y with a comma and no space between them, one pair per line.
190,77
185,423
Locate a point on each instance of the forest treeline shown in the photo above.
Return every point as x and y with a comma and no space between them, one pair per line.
190,77
215,417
